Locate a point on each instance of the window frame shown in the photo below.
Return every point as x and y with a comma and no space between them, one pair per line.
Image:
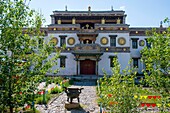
135,40
135,65
63,61
113,40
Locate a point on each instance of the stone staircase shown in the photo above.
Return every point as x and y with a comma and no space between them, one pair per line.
85,80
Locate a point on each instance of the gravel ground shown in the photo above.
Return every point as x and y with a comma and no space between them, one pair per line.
88,102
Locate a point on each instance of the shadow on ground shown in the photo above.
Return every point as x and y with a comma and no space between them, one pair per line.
77,110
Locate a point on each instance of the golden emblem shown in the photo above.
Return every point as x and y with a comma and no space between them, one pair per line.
54,41
121,41
71,41
104,41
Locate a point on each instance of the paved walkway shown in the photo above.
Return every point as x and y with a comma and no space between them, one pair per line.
88,102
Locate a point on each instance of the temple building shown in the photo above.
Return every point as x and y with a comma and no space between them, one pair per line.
89,40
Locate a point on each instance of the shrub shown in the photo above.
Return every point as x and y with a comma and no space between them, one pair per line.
56,90
65,83
39,100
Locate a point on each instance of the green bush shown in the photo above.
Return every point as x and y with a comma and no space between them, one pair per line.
71,81
39,100
56,90
57,80
65,83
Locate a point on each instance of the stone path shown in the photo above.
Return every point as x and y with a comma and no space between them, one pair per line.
88,102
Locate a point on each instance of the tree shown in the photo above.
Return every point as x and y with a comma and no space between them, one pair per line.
117,92
157,62
24,59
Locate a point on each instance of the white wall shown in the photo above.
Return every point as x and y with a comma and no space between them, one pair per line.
70,68
123,59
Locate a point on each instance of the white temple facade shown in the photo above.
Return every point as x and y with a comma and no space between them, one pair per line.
89,40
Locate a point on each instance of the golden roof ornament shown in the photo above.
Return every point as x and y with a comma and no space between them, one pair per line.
87,26
103,21
118,21
59,21
73,20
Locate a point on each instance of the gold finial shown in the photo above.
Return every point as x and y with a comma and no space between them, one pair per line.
87,26
74,21
103,21
59,21
87,41
118,21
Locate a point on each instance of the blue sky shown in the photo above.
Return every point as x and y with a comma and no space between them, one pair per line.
140,13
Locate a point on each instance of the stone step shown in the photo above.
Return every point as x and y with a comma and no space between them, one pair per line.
85,83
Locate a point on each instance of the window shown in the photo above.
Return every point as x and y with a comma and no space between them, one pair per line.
62,40
62,61
111,60
135,62
134,43
113,40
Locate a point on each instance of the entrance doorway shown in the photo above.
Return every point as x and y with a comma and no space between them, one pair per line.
87,67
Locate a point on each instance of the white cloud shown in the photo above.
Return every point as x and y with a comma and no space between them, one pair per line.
122,8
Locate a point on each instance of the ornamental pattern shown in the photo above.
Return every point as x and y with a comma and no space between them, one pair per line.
122,41
104,41
71,41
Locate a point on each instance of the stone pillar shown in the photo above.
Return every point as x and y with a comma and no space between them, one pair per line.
97,64
97,67
77,64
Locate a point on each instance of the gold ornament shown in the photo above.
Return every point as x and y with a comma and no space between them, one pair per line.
121,41
71,41
54,41
104,41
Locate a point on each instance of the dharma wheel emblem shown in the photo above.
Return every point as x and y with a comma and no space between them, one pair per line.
122,41
141,42
54,41
104,41
71,41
